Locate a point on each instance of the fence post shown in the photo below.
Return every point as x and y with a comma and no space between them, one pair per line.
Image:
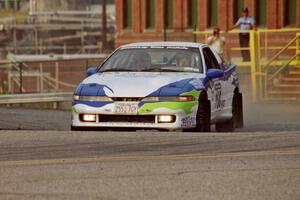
194,35
6,4
297,48
86,64
15,39
255,65
16,4
56,76
165,33
41,78
21,74
259,74
82,35
104,25
36,42
9,81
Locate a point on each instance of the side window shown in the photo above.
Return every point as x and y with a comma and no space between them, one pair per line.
219,59
210,59
207,60
213,59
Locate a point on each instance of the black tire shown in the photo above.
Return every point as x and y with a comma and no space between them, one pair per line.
240,113
203,116
79,128
75,128
229,125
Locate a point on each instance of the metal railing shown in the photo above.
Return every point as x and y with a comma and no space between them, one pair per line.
18,68
271,76
262,49
281,68
287,46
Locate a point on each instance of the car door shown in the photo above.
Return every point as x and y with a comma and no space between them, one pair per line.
227,84
214,85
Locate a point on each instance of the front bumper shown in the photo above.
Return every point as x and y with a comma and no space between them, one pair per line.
184,113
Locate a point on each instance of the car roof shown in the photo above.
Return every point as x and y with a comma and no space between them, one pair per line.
170,44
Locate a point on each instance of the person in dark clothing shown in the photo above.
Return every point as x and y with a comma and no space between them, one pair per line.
245,23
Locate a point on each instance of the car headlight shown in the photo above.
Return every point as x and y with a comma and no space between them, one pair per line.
87,117
149,99
76,97
91,98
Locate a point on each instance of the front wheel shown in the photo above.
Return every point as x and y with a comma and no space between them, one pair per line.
240,115
203,116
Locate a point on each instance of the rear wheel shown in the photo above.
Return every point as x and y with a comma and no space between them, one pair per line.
203,116
229,125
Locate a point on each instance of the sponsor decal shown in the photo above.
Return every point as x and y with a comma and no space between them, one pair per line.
188,121
215,88
219,102
217,92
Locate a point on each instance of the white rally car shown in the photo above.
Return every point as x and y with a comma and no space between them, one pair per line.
159,85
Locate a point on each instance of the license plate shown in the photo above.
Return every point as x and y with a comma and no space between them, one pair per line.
126,108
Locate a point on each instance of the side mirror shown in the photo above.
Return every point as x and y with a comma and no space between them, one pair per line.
214,73
91,70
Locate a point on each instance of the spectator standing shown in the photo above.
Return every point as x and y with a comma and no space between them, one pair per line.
245,23
217,42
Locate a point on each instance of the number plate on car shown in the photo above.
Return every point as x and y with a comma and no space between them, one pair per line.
126,108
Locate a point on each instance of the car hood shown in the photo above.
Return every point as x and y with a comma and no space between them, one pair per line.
139,84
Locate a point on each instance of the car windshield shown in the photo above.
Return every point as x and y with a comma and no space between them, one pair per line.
152,59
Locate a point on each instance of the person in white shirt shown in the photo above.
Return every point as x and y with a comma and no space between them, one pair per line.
246,23
217,42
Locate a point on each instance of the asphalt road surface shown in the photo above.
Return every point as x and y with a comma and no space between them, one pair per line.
149,165
41,159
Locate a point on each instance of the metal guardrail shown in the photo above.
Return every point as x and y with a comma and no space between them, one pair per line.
35,98
66,12
13,58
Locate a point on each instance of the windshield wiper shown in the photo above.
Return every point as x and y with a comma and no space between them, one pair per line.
159,69
117,70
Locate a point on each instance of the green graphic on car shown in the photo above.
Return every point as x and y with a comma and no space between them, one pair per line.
185,106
